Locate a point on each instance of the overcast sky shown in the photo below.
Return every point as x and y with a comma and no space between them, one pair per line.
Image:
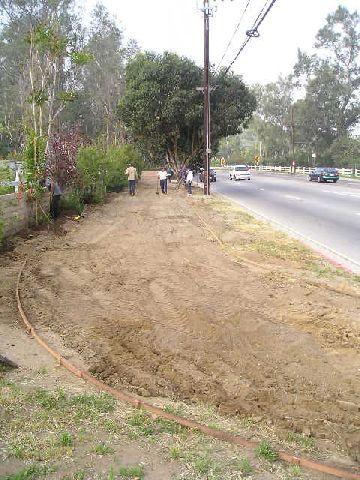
177,25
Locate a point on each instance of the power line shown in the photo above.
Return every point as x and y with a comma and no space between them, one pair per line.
253,32
235,32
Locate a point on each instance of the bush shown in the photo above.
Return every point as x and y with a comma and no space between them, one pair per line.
6,175
92,168
117,159
104,170
72,202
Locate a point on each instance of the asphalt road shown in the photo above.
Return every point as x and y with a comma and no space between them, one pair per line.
326,216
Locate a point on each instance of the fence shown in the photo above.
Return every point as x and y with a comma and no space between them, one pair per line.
17,214
344,172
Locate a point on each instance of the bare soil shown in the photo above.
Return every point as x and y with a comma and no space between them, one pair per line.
154,305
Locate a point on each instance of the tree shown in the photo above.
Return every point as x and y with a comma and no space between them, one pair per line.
102,80
162,107
331,107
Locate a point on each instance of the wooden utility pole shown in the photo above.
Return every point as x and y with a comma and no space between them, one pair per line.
206,87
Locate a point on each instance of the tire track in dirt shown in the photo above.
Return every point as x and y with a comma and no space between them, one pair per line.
166,313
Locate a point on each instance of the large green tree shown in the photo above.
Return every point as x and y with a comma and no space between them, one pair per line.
331,77
162,107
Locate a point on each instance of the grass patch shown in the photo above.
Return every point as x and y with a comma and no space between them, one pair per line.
30,473
79,475
103,449
244,466
66,439
143,425
266,451
294,472
304,442
135,472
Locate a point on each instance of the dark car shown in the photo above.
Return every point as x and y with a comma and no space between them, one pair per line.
324,174
212,175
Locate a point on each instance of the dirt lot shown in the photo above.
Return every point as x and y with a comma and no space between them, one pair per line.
144,292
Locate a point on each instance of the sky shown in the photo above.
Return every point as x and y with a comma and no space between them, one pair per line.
177,26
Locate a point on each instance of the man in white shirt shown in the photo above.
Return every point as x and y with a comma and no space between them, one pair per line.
188,181
163,176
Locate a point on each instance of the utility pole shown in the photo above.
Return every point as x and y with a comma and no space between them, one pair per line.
293,163
206,88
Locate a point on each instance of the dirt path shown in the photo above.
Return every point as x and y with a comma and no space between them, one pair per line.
154,306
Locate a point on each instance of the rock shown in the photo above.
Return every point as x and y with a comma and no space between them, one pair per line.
5,362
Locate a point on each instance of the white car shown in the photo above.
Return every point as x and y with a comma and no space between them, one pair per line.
239,172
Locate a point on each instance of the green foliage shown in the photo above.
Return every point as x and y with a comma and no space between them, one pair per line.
163,110
132,473
66,439
72,202
345,151
266,451
92,168
30,473
82,57
6,175
47,39
39,97
67,96
103,449
116,160
245,466
34,160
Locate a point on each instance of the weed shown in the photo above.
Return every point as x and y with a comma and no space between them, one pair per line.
42,371
294,472
49,400
66,439
167,426
266,451
101,403
111,475
203,464
175,452
80,475
142,423
30,473
103,449
136,472
306,443
245,466
110,426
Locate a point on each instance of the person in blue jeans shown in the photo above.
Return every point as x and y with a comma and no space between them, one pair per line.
163,176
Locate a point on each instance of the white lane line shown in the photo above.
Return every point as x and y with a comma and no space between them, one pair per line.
262,189
343,194
357,213
292,197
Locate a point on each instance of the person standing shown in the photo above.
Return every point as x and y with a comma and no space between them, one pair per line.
132,175
189,180
55,196
163,176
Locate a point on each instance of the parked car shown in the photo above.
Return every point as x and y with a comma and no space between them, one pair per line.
212,175
324,174
239,172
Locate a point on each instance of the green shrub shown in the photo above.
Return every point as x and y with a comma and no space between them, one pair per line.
73,202
266,451
91,165
117,160
6,175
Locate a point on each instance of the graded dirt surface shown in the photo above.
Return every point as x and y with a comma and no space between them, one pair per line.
155,305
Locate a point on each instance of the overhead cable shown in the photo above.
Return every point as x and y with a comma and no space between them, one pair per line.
253,32
235,32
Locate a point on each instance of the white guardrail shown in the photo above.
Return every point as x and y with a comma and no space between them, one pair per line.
344,172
